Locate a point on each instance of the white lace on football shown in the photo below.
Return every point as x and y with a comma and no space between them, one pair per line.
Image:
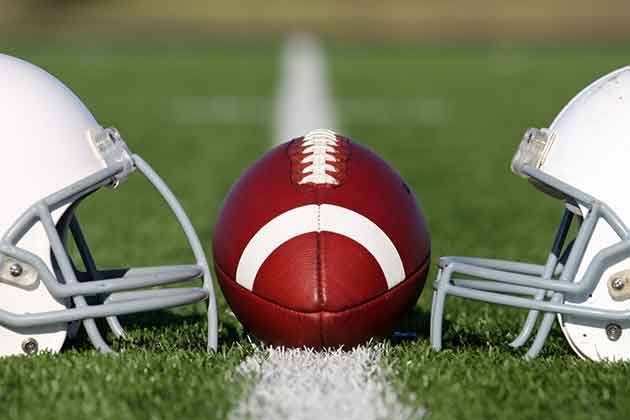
320,145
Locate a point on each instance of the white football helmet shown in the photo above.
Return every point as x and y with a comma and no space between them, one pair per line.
54,154
582,158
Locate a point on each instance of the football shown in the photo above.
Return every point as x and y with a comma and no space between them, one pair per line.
321,244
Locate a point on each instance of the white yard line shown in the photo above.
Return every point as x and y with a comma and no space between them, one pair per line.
303,384
308,385
303,102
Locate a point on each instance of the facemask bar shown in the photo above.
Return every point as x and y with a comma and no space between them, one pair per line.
118,299
553,267
547,288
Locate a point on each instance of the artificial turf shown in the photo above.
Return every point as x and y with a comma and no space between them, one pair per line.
447,117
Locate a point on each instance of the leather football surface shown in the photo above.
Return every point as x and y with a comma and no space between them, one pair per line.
320,243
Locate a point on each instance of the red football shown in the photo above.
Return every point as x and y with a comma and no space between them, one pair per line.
320,243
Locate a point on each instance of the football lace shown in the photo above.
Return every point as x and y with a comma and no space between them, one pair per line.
319,148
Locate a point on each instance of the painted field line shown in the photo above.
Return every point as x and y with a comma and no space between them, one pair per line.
303,101
308,385
303,384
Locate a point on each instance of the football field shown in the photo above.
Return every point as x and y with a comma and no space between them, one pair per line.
449,118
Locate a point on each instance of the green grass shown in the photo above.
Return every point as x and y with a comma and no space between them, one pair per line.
456,161
164,372
458,167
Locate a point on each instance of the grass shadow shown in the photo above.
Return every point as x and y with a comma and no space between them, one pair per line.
160,330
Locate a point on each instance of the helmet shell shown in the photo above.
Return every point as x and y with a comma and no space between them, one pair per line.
590,151
45,149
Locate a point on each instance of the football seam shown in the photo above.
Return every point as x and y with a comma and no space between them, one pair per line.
318,263
422,266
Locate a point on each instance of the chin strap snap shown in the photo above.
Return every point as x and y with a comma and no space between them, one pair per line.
110,147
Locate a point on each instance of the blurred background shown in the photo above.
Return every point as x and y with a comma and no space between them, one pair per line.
368,19
443,89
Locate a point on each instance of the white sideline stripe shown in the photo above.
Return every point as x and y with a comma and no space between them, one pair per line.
302,102
319,218
307,385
